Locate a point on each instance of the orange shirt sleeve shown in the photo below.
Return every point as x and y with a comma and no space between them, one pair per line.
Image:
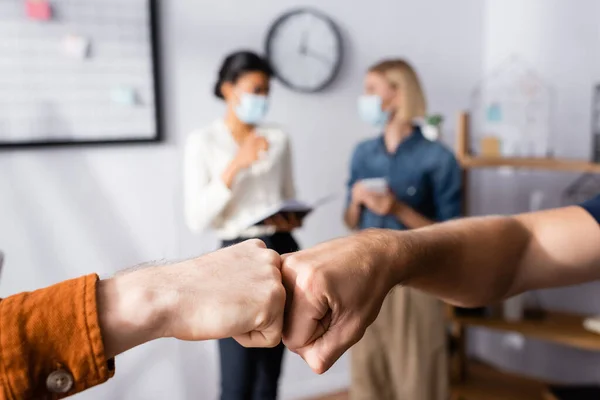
50,342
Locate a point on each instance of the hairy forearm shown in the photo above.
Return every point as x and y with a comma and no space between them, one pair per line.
468,262
352,215
129,315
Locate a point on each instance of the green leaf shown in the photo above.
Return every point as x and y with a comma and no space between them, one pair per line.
435,119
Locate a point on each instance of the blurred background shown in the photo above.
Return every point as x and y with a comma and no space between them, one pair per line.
70,210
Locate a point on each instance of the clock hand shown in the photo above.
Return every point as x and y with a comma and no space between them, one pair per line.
304,43
317,56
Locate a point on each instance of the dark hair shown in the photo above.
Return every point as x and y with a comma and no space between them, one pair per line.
237,64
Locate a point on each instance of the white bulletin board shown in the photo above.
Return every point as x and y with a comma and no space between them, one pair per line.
514,104
78,71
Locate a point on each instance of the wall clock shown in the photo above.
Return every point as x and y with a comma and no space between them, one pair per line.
304,47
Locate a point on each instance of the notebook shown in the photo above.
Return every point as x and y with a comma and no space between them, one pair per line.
300,208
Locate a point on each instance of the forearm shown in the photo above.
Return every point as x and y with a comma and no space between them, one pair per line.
352,215
204,298
469,262
129,315
477,261
411,218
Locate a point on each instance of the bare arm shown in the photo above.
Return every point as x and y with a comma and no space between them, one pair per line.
480,260
196,299
230,172
352,215
356,193
336,289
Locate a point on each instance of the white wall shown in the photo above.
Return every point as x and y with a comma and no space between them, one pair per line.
559,39
64,213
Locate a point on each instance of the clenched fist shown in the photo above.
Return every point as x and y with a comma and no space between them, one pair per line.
335,291
234,292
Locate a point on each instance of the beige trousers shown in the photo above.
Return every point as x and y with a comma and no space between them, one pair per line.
403,354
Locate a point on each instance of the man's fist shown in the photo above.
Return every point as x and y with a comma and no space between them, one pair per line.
335,291
234,292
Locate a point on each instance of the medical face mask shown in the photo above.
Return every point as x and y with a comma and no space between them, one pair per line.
252,108
370,111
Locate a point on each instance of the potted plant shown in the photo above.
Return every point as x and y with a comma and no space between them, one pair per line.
432,127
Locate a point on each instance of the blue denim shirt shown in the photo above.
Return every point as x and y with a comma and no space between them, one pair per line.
421,174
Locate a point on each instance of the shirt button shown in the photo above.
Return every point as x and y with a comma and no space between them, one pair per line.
411,191
59,381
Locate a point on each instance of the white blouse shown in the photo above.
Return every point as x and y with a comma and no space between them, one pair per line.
209,202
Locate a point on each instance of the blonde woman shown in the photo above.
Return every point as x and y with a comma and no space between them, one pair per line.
402,356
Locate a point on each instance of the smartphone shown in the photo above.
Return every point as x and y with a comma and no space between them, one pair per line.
376,185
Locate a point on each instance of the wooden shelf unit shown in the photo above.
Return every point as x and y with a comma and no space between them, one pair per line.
477,382
561,328
469,161
487,383
546,164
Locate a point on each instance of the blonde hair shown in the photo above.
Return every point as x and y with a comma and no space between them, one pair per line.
402,76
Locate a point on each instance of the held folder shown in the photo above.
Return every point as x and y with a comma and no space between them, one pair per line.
300,208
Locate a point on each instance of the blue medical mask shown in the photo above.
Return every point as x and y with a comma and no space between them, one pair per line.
252,108
370,111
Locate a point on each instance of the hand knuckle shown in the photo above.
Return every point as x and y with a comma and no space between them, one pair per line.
275,275
262,318
257,243
292,342
313,279
276,294
296,261
320,368
289,260
290,345
319,365
272,257
273,303
273,341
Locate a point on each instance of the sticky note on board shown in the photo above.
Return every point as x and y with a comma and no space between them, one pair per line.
38,10
490,146
494,113
123,96
77,47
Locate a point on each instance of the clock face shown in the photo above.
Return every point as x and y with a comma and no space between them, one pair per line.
305,50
